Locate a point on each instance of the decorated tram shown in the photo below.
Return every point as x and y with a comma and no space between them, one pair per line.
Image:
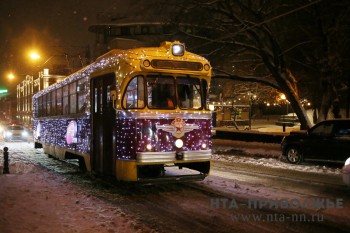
138,115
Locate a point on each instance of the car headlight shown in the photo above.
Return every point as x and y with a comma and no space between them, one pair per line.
8,134
24,133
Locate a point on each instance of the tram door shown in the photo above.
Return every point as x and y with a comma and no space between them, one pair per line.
102,121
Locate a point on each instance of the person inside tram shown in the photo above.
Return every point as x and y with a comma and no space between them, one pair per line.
168,96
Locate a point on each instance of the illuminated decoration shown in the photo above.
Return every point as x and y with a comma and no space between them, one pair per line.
3,91
150,128
54,131
178,127
71,135
137,130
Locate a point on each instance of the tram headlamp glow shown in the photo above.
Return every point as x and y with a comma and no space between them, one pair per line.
204,146
178,50
149,147
347,162
179,143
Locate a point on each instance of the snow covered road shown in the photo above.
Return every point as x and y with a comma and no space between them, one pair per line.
242,194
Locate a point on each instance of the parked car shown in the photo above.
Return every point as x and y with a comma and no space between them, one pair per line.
15,132
327,141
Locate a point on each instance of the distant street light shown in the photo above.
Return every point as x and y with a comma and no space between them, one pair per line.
10,76
283,97
34,55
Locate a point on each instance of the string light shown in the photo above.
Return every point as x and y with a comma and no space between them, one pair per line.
137,131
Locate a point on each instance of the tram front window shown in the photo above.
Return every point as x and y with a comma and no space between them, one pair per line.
189,92
134,95
161,92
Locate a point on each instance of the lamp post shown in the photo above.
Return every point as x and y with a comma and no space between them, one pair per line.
284,98
251,97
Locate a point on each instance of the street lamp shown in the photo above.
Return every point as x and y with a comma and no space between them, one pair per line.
283,97
251,97
11,76
34,55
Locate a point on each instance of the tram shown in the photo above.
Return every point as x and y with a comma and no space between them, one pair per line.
138,115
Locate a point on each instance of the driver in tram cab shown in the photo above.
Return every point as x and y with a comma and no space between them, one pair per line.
169,94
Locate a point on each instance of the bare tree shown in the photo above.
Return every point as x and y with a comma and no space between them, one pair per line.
239,32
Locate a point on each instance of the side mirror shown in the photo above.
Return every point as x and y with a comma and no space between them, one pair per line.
114,98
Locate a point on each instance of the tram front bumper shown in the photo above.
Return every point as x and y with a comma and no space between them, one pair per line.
173,156
164,166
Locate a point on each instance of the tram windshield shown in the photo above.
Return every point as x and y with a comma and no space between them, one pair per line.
163,92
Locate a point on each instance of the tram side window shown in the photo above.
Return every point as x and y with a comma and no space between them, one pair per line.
81,90
48,104
205,94
40,106
189,92
59,101
73,97
65,100
161,92
53,103
134,96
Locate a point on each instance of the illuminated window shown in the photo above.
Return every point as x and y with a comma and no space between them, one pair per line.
189,93
48,104
53,103
72,98
65,100
134,96
82,91
161,92
59,101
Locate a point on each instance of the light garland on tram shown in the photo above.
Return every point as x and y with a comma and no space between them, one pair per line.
150,137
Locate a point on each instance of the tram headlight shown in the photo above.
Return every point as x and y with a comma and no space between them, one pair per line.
206,67
347,162
146,63
149,147
204,146
179,143
178,50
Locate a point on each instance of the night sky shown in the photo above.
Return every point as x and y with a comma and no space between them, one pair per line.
52,27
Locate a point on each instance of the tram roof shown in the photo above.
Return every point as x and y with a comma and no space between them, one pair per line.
163,51
136,54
